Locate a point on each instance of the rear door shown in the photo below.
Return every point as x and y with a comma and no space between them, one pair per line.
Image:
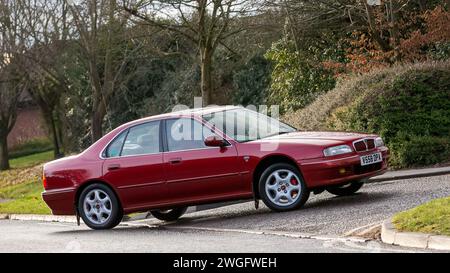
134,165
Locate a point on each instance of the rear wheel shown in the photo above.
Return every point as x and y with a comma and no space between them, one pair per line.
282,188
347,189
99,207
168,215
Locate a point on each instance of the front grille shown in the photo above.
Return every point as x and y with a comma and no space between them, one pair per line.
370,143
363,145
360,146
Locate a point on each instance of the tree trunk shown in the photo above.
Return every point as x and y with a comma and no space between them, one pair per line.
394,32
374,31
56,146
97,121
206,77
48,116
4,158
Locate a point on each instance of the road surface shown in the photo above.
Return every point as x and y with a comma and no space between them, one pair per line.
318,227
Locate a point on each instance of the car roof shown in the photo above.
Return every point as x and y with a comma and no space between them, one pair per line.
201,111
186,112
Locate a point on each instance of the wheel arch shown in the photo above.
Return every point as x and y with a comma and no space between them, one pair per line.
264,163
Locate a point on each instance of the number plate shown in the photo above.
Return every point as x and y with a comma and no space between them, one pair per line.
371,159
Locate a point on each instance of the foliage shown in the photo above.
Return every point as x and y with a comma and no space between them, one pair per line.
411,150
251,81
432,217
76,106
296,81
180,89
409,106
113,62
141,85
415,33
436,32
440,51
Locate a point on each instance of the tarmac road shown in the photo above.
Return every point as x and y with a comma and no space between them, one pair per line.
318,227
327,214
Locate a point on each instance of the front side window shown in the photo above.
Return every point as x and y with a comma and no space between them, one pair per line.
245,125
186,134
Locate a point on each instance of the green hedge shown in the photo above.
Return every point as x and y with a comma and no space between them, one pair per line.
419,151
409,106
34,146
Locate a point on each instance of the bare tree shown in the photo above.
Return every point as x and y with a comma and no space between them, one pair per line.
47,26
307,17
11,84
207,23
103,39
10,90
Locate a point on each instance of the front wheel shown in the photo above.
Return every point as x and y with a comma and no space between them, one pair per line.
282,188
168,215
99,207
347,189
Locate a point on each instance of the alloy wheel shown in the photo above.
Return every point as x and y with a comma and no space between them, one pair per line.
283,187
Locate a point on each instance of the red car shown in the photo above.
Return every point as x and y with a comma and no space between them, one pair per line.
167,162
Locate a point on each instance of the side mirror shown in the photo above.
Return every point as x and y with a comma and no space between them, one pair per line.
215,141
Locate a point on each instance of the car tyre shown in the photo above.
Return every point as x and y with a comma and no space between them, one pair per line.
346,190
99,207
169,215
278,182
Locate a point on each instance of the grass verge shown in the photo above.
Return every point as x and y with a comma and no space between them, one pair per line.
20,187
26,199
31,160
432,217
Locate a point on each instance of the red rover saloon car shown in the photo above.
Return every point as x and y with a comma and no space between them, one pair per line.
167,162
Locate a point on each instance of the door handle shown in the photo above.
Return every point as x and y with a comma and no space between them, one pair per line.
113,167
176,160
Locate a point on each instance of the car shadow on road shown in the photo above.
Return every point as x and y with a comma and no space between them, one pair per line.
245,211
83,229
351,200
314,206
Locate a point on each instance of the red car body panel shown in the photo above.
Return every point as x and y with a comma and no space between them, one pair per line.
168,179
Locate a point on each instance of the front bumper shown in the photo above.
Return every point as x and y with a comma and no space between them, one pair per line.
60,201
338,170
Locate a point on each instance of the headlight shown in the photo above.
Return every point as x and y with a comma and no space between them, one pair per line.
379,142
337,150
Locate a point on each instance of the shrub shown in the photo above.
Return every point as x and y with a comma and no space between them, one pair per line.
409,106
419,150
296,80
251,81
33,146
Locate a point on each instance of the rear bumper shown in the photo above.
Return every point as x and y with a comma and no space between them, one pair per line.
323,172
60,201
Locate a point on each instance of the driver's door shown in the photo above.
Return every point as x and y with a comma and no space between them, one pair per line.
195,171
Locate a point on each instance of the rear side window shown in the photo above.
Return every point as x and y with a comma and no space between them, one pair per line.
138,140
142,139
115,147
